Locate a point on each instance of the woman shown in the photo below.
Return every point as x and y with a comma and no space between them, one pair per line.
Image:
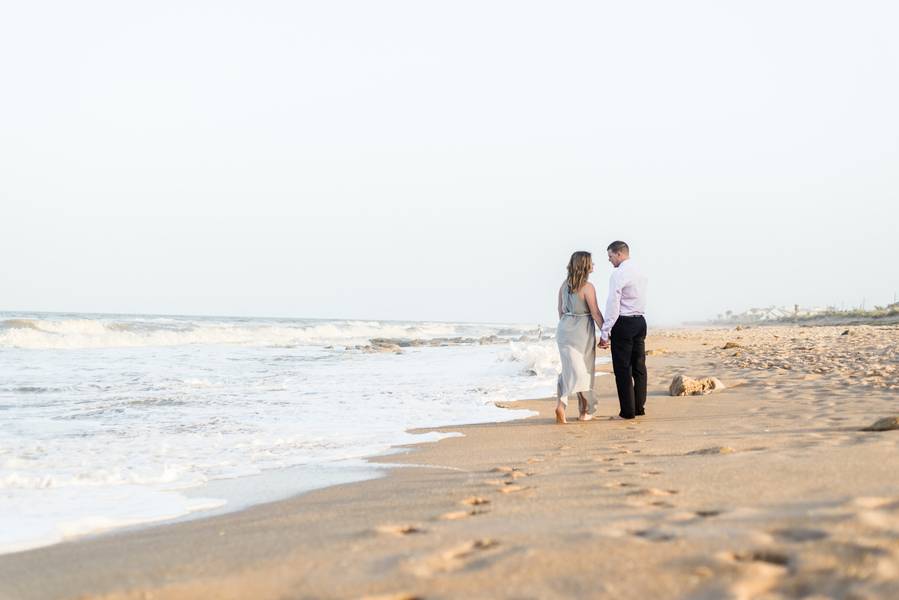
576,335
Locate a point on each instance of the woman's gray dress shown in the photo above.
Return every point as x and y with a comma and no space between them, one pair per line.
576,337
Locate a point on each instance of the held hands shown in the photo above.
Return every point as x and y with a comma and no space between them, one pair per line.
603,344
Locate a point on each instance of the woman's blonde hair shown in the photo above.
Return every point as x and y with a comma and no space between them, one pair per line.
579,268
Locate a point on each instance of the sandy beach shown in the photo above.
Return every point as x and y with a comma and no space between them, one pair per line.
769,488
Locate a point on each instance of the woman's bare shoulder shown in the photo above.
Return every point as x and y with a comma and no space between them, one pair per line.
587,291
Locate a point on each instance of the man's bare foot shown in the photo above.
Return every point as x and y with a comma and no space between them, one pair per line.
585,417
560,416
617,418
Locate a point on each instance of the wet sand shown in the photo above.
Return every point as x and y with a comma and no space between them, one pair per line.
769,489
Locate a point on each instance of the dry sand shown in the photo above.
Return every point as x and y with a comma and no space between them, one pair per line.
766,489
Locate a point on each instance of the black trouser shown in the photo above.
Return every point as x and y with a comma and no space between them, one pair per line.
628,338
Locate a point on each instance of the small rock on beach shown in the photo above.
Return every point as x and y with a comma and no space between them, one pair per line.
885,424
687,386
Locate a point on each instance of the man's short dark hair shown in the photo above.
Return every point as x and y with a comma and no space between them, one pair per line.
618,246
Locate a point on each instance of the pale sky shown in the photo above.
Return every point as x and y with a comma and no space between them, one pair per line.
441,160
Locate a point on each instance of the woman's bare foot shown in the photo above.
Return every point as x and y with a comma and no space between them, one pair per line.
560,415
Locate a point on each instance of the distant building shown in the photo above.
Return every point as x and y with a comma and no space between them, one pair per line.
770,313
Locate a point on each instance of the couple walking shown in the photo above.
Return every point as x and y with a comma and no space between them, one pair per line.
623,328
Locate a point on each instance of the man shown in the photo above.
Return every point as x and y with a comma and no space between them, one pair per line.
625,328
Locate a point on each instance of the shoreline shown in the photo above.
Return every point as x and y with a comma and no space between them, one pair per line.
768,485
102,448
236,494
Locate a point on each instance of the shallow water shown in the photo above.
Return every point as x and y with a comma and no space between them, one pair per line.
112,420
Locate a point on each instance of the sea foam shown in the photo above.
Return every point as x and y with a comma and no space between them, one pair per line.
120,333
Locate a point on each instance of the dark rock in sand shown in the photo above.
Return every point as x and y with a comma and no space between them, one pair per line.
885,424
730,345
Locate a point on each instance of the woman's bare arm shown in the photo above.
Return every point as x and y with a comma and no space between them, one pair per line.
590,297
560,300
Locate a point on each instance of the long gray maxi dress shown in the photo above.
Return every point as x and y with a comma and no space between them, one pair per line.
576,337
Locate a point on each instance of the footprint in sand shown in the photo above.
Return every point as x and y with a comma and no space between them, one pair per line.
799,534
460,514
711,451
754,573
652,492
400,530
705,514
454,558
511,474
618,484
655,535
772,557
475,501
680,517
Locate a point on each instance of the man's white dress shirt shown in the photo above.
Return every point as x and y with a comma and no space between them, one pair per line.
627,295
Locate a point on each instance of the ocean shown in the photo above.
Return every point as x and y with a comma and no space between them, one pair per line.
115,420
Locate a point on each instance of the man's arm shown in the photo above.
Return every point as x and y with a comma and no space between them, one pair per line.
613,307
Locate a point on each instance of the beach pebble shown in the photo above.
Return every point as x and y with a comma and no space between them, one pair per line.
403,529
475,501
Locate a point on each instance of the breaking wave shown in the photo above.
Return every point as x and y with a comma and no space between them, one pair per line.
58,333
